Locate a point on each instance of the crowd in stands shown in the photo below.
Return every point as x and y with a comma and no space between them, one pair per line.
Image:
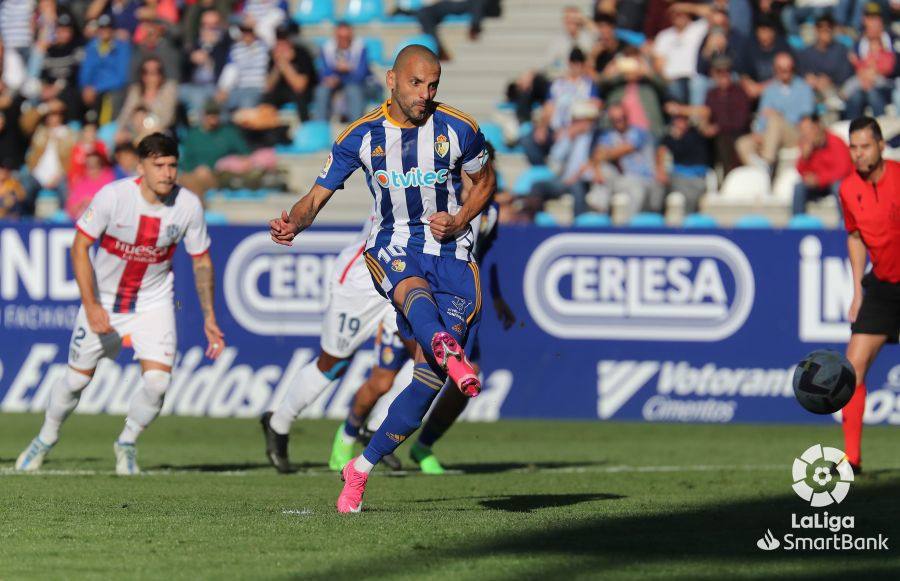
82,81
650,97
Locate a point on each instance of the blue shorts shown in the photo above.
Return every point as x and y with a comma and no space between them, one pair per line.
455,285
392,353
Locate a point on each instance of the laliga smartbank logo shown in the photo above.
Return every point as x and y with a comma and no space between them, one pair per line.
638,286
277,290
821,477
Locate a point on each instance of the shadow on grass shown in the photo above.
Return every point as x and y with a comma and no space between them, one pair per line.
708,542
500,467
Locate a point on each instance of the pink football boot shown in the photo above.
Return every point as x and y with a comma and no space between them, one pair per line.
451,357
350,499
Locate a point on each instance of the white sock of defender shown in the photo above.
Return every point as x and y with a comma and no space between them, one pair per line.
145,404
363,465
63,399
310,384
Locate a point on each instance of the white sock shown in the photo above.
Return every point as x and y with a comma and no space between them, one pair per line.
363,465
347,438
310,384
63,398
145,404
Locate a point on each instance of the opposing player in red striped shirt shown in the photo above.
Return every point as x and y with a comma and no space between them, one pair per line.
127,290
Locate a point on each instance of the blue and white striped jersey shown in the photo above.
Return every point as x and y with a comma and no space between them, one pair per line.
413,172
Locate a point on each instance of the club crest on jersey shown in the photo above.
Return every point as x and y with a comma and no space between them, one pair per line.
326,166
441,145
387,355
398,265
172,231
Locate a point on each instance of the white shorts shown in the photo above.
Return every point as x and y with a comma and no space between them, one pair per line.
152,333
355,310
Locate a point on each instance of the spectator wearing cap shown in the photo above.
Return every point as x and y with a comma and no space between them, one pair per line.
726,115
60,65
156,42
205,145
153,92
97,174
826,64
824,162
206,60
784,102
630,80
675,51
688,151
104,72
624,162
16,28
757,67
243,79
292,74
874,62
577,85
343,68
265,16
12,194
50,153
570,160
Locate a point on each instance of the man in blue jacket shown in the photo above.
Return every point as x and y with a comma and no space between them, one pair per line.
343,66
104,73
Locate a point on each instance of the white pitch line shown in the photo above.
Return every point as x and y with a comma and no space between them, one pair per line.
622,469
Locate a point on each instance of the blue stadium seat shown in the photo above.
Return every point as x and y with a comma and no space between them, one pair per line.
501,181
545,220
630,37
592,220
494,134
458,19
375,50
59,217
525,129
425,40
45,194
647,220
411,5
311,137
215,218
795,41
314,11
699,221
363,11
107,134
527,178
845,40
806,222
753,221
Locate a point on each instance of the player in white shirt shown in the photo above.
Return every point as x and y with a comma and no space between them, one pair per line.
127,290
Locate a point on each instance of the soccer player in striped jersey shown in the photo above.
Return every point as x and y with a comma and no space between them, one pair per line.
413,151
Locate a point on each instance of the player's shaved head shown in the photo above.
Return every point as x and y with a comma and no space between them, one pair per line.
413,83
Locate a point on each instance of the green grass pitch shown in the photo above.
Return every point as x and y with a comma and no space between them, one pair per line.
550,500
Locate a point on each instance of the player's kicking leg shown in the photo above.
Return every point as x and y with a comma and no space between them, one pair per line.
461,300
312,380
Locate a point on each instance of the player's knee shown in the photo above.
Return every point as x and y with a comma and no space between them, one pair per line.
76,381
156,382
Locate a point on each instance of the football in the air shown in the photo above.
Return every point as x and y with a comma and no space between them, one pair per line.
824,382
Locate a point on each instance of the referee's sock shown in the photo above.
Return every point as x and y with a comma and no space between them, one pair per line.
853,424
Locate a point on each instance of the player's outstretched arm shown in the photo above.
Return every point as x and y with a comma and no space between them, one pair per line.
98,318
484,183
284,229
205,281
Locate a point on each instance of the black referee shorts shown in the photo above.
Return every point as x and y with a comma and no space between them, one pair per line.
880,310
